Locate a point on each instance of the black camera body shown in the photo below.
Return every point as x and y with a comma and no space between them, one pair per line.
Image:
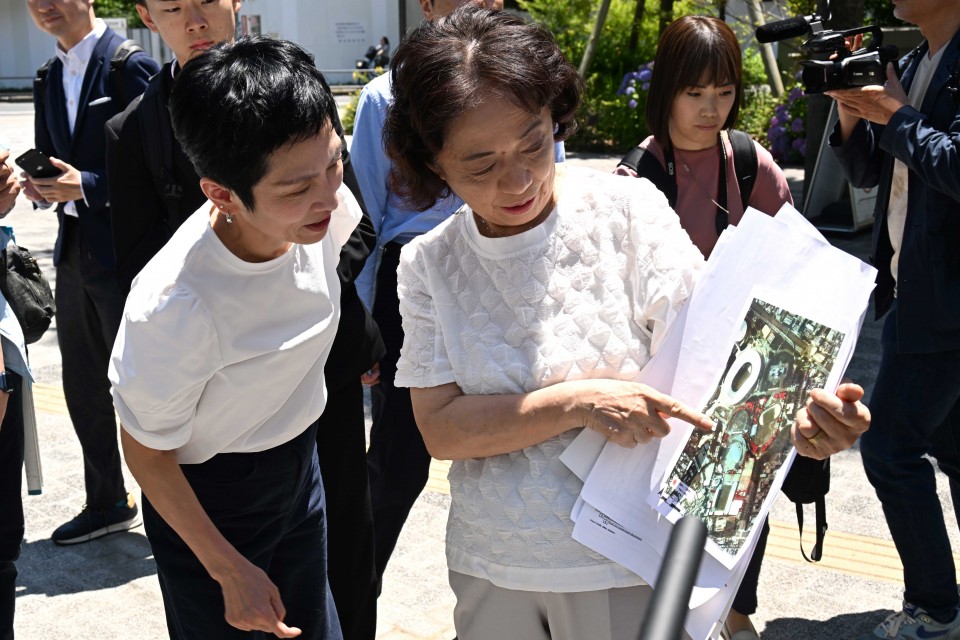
848,69
831,65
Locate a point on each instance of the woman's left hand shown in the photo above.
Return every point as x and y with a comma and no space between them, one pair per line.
252,601
830,423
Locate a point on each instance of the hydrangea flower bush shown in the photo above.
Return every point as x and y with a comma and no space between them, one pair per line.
787,133
634,82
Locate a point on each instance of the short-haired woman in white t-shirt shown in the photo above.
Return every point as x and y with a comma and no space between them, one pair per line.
217,370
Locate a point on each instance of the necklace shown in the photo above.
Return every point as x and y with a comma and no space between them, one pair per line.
700,186
486,228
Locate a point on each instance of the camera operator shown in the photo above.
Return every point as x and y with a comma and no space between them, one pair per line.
903,139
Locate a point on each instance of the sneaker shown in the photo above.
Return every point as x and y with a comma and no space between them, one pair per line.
91,524
913,623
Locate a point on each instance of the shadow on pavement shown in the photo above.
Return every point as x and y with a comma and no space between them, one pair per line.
848,626
112,561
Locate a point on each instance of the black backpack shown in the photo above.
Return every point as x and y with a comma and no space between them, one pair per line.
808,482
744,161
117,61
158,141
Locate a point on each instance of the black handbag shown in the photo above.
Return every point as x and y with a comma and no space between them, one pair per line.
26,291
808,482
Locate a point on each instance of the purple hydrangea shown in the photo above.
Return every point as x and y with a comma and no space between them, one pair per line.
628,86
786,132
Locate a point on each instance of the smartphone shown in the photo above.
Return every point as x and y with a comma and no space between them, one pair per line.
37,164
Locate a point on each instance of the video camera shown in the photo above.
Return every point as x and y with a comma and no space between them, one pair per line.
847,69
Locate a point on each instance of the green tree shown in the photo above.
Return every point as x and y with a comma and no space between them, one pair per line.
119,9
880,12
628,39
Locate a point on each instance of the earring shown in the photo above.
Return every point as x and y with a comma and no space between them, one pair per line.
227,215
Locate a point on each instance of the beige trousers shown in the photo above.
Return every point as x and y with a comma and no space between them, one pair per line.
485,611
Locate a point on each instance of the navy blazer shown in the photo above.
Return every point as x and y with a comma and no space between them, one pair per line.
86,148
928,142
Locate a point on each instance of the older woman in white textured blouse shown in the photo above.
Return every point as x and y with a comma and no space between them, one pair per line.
529,316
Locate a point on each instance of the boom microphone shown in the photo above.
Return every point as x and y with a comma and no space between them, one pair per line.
669,604
784,29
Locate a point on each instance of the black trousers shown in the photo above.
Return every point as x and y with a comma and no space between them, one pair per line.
269,505
397,460
341,447
89,309
11,503
745,601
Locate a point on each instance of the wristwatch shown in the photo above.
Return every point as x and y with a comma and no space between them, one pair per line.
5,384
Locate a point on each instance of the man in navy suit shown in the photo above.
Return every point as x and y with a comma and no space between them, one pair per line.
72,104
902,138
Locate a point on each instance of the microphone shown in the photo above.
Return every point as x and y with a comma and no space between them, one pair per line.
671,597
784,29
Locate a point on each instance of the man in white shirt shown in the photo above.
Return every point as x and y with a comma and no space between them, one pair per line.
76,93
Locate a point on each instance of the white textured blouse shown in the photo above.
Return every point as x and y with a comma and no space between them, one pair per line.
588,293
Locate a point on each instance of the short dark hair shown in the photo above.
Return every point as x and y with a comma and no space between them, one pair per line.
234,105
445,67
693,50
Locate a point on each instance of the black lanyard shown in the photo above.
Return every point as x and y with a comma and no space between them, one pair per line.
722,219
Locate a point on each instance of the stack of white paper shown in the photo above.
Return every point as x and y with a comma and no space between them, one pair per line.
776,313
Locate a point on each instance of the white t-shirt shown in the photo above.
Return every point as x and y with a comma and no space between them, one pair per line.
897,211
217,355
588,293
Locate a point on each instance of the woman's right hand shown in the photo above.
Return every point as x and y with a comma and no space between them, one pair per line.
252,602
630,413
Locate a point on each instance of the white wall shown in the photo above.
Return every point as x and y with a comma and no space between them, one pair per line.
337,32
23,47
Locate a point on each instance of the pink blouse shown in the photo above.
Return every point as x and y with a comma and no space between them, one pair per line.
697,173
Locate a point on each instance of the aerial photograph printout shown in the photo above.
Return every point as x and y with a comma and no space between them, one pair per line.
723,477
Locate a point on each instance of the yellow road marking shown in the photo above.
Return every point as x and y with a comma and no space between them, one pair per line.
843,552
847,553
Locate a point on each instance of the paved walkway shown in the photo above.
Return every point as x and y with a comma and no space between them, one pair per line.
108,589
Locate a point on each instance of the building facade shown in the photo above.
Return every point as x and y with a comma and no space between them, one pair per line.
337,32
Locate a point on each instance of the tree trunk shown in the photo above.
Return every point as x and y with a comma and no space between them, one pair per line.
666,14
846,14
635,26
594,38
